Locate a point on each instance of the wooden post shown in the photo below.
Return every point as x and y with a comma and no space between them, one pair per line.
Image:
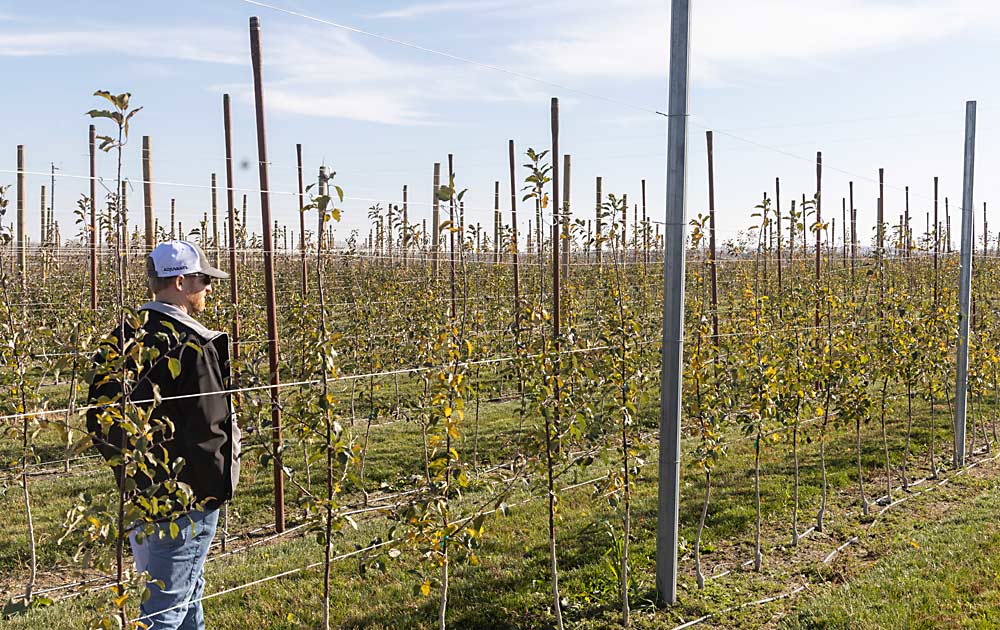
854,229
41,252
215,223
777,213
906,224
843,229
590,234
947,225
123,235
513,239
496,222
147,194
645,228
598,230
406,225
272,319
173,219
881,212
986,232
567,216
713,271
451,237
556,368
624,236
302,223
22,258
805,229
43,215
436,222
387,233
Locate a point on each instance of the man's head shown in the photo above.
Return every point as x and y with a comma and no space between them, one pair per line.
179,273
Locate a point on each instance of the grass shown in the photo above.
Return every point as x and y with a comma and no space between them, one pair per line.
943,573
510,587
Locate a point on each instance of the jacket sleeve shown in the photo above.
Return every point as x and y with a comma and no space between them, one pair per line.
200,416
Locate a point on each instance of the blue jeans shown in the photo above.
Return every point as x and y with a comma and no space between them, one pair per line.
180,564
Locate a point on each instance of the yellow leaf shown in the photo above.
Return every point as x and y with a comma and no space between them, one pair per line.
425,588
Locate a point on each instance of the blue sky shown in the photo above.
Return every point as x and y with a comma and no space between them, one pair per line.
871,83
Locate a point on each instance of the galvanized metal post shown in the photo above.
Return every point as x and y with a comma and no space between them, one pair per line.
272,317
965,285
668,500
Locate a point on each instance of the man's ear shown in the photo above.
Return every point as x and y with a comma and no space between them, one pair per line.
179,283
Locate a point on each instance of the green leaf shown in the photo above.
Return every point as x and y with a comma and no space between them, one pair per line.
174,365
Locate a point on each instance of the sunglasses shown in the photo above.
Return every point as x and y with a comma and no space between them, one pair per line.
205,279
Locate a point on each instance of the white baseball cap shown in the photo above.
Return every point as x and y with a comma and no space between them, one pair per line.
180,258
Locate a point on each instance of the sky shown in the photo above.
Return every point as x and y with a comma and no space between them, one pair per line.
870,83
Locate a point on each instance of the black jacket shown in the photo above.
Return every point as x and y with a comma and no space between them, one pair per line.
205,433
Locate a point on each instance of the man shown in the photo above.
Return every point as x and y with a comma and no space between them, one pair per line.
183,464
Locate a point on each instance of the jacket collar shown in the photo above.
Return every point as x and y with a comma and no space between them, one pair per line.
182,317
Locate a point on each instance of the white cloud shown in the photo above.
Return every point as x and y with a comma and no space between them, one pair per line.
310,70
211,45
432,8
629,38
342,78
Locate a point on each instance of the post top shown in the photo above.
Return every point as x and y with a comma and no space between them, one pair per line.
254,21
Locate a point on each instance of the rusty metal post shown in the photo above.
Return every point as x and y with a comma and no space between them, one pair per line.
713,271
513,239
272,318
93,217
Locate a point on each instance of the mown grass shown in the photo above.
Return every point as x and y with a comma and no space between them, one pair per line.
942,573
510,587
